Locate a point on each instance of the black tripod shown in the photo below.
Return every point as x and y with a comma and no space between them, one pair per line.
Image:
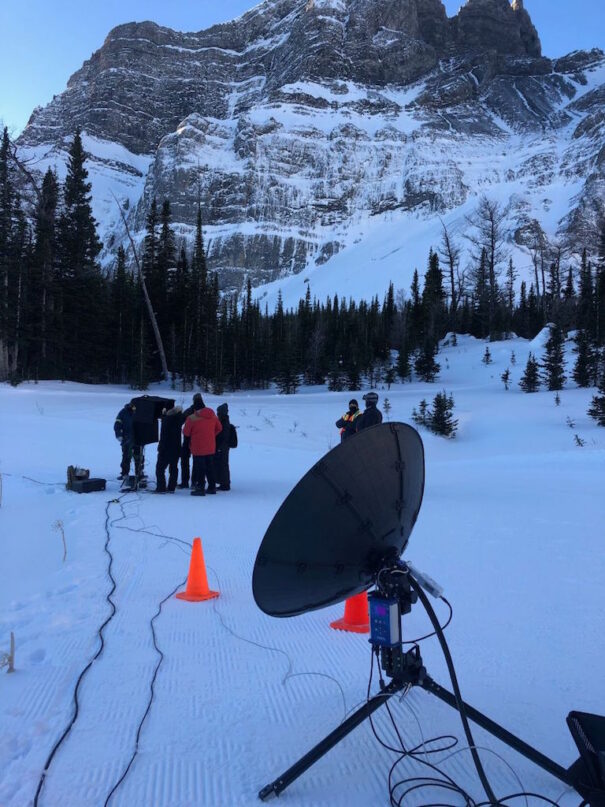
406,669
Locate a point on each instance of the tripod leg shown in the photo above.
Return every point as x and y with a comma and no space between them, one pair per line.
499,732
303,764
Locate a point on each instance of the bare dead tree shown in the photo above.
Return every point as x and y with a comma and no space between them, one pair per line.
150,311
23,167
539,250
450,253
488,235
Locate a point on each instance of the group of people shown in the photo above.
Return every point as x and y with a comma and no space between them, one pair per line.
198,433
207,437
354,420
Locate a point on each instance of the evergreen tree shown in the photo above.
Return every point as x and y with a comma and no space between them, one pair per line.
287,379
81,313
433,297
416,313
336,379
150,251
353,377
487,356
427,369
481,299
165,283
388,317
599,305
552,366
521,315
123,312
441,420
6,226
585,366
404,363
567,312
15,258
530,380
535,313
569,291
586,309
44,276
421,416
511,276
597,405
389,376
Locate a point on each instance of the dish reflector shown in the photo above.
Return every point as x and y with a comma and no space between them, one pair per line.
354,510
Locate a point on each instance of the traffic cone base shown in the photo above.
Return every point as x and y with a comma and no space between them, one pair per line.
342,624
197,582
356,618
209,595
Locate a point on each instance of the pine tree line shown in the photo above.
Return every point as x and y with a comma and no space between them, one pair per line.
62,317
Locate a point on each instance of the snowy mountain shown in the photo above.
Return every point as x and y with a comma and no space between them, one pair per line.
309,128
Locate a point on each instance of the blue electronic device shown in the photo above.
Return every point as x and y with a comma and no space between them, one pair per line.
385,621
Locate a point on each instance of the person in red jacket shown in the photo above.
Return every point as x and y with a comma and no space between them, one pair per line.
201,428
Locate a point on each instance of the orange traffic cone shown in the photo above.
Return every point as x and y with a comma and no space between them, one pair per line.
356,618
197,582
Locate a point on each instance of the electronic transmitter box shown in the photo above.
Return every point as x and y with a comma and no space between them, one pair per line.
385,621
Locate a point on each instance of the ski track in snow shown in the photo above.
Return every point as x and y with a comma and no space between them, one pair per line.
511,526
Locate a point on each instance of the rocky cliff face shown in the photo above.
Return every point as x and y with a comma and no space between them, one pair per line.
303,118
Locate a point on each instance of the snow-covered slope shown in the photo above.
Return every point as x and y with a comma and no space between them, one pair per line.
511,526
303,125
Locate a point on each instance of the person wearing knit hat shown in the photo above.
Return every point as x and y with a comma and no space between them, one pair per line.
346,423
225,440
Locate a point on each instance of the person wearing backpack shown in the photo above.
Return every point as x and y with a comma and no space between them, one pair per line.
225,440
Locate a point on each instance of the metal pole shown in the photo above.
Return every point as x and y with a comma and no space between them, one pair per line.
303,764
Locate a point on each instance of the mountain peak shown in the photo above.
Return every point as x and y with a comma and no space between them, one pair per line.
496,25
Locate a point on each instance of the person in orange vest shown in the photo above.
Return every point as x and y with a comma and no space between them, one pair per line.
201,428
346,423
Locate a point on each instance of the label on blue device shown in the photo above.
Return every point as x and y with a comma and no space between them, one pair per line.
385,624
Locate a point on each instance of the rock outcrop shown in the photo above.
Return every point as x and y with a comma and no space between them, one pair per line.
302,118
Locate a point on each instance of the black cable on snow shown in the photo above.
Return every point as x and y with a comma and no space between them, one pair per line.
100,631
151,691
114,523
460,705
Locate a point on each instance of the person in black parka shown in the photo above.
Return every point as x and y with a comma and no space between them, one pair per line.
124,432
169,449
186,449
224,441
372,416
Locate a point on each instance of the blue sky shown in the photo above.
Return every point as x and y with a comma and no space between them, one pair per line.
42,43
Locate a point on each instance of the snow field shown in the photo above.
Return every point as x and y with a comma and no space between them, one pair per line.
511,526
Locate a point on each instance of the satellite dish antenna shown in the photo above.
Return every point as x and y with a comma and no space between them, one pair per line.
343,528
352,513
